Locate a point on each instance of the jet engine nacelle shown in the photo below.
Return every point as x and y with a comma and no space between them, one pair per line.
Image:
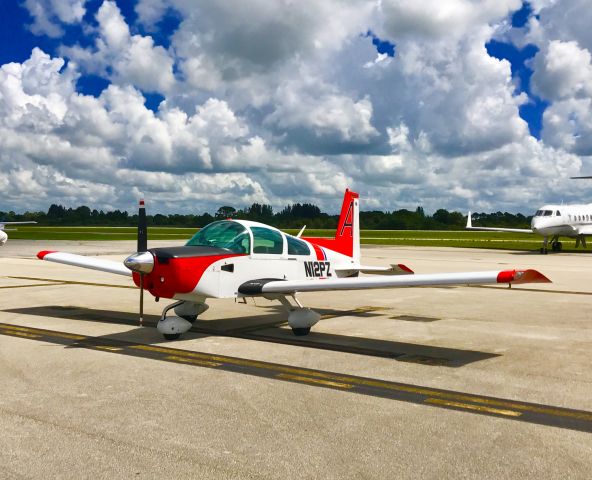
303,318
3,238
173,326
190,309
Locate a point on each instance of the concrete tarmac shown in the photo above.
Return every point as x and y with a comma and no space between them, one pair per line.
457,382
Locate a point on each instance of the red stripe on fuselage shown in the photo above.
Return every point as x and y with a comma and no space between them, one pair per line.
177,275
319,251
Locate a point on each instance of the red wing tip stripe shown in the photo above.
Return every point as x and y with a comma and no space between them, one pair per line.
41,255
522,276
405,268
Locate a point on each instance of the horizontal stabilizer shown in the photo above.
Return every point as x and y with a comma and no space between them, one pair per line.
394,269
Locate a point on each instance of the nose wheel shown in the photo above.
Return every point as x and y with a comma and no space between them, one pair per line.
556,245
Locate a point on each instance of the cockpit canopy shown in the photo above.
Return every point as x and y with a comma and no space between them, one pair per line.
224,234
236,238
547,213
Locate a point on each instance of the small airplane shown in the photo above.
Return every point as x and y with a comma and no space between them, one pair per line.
239,259
3,236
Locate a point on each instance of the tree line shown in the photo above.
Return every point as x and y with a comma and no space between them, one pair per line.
291,216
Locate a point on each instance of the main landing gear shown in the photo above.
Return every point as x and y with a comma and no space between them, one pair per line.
300,318
556,245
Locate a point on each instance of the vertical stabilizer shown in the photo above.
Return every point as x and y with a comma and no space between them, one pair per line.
347,235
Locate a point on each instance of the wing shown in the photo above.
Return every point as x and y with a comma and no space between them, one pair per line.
93,263
584,230
495,229
263,286
2,224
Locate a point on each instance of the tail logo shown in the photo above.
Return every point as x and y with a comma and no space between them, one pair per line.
349,221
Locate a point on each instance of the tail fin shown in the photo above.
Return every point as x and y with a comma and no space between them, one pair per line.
347,236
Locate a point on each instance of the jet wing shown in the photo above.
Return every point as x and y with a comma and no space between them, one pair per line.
266,285
584,230
93,263
495,229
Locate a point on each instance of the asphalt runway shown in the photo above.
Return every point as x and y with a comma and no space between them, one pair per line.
472,382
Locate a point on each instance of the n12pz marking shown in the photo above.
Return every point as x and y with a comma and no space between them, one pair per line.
317,269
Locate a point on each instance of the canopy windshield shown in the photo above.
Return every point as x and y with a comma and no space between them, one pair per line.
225,234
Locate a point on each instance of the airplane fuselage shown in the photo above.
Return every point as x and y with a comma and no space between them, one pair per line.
196,272
563,220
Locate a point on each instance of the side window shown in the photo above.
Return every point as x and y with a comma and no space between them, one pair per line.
267,241
558,213
297,247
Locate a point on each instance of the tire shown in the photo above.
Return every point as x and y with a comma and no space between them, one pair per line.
171,336
559,246
300,332
190,318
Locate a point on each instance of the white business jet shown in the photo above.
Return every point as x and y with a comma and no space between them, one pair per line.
552,222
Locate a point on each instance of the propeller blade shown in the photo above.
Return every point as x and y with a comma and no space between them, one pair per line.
141,299
142,228
142,247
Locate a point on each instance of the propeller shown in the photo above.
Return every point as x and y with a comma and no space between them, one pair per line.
141,262
142,247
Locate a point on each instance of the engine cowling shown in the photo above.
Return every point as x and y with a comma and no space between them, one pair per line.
3,237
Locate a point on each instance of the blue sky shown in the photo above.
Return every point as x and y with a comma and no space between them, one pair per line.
194,103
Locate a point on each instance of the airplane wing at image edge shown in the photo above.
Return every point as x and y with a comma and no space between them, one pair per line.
469,226
263,286
93,263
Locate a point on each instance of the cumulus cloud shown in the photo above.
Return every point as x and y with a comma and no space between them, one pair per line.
279,102
49,15
124,58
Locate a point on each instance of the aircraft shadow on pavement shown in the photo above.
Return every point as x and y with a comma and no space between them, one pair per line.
271,328
537,252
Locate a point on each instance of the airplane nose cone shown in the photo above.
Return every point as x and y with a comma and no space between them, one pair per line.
141,262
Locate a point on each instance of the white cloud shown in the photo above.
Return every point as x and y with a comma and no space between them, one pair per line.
124,58
289,101
562,70
48,15
434,19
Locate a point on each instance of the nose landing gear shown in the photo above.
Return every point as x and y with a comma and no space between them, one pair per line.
556,245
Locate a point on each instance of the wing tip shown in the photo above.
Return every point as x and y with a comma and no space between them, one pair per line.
41,255
405,268
522,276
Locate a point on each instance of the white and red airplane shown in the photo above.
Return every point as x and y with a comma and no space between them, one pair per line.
239,259
3,236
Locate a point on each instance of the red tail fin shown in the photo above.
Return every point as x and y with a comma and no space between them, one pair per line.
347,236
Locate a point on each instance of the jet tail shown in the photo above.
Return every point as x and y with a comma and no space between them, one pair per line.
347,235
